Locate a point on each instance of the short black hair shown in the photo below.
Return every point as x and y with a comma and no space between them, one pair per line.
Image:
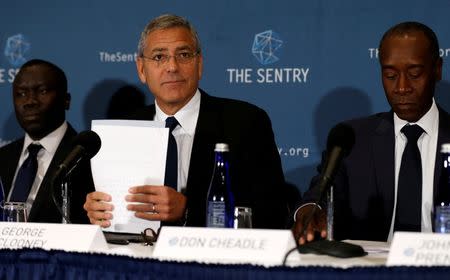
59,73
409,27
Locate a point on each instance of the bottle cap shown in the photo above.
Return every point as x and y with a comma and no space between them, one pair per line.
221,147
445,148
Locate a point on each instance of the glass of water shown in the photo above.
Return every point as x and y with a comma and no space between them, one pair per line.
14,211
242,217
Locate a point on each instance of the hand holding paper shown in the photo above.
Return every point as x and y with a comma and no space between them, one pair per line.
99,209
133,153
159,203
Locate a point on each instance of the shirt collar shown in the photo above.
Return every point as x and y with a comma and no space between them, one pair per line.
428,122
186,116
50,142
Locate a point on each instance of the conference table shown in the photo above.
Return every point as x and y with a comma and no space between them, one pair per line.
135,261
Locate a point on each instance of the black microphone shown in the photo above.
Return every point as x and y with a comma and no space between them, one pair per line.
339,145
85,145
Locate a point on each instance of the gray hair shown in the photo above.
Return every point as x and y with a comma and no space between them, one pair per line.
167,21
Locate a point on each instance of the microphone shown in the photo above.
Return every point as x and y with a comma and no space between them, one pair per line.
85,145
339,145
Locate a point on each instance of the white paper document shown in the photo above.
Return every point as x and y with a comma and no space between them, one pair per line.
133,153
372,247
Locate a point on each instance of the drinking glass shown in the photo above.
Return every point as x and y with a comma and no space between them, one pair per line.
14,211
242,217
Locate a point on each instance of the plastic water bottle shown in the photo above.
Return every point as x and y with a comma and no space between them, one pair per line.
442,208
220,200
2,199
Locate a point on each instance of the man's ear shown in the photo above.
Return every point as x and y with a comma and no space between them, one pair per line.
200,66
67,99
140,69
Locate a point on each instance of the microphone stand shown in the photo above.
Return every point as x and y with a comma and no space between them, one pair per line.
329,246
65,201
62,179
330,214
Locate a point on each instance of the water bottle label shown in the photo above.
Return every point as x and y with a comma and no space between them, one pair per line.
216,214
442,219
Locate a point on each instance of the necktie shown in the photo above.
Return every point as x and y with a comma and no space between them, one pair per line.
171,176
25,176
409,191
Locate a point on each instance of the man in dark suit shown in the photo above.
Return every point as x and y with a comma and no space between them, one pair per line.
170,63
371,201
40,101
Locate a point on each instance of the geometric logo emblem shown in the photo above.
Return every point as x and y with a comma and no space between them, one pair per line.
173,241
409,252
17,46
265,47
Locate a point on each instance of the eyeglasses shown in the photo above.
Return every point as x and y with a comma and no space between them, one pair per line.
184,57
149,236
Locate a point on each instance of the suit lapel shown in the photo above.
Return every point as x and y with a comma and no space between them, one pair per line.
207,133
443,137
204,139
9,167
150,113
384,163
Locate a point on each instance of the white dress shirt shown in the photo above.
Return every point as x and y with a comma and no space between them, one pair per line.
184,134
427,144
49,145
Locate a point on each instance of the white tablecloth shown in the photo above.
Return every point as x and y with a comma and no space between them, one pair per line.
377,255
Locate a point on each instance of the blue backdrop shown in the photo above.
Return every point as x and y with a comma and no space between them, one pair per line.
309,64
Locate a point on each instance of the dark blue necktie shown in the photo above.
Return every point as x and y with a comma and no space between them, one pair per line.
25,176
171,176
409,191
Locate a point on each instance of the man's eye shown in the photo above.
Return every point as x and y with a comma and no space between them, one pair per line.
43,91
414,74
21,93
158,57
390,75
184,54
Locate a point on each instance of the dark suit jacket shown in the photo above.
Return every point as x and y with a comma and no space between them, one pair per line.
255,166
43,209
364,185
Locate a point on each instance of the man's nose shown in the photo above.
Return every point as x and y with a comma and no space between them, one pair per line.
31,99
403,84
172,64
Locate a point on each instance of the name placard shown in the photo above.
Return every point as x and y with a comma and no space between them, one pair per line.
229,246
67,237
419,249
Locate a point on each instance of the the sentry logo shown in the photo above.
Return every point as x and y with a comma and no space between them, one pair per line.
266,48
16,49
173,241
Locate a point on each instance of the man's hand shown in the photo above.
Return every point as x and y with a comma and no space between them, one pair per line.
318,224
157,203
98,209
